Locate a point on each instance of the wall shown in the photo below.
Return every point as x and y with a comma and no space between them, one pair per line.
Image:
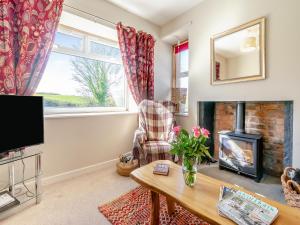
282,38
72,143
243,65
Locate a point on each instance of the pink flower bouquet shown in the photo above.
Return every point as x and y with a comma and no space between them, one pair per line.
192,148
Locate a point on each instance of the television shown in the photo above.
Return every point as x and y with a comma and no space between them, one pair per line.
22,122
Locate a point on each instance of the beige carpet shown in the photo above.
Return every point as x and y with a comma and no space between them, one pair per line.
76,201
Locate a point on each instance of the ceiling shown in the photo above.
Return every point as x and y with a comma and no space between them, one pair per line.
230,46
158,12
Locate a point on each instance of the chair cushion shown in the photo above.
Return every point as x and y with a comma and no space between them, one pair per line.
157,119
157,150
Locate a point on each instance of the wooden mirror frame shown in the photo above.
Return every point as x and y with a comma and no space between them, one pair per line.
262,52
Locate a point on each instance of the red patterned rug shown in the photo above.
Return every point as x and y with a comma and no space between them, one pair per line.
133,208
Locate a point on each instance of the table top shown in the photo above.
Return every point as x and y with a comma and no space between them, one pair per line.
201,199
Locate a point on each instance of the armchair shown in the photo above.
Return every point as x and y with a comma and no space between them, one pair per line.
152,138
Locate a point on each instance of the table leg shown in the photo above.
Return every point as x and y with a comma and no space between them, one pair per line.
171,206
154,208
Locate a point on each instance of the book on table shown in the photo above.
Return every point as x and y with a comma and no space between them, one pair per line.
161,169
245,209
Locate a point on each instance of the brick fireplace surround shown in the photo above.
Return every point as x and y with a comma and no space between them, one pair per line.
273,120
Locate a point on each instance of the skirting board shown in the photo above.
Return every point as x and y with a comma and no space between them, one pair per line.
78,172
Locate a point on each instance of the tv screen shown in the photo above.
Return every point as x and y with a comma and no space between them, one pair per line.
22,121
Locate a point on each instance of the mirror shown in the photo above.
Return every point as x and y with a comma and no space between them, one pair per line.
239,53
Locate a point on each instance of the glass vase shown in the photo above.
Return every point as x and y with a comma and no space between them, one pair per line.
189,170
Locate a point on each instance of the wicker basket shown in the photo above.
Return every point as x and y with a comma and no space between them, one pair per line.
291,188
124,169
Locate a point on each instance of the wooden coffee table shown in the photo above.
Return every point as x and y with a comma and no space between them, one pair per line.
201,199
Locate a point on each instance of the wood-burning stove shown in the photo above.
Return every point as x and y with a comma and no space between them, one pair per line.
239,151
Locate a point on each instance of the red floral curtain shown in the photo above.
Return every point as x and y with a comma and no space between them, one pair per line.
137,49
27,29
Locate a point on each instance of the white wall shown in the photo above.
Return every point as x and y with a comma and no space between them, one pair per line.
282,37
243,65
76,142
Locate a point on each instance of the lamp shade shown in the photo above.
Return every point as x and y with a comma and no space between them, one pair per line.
249,44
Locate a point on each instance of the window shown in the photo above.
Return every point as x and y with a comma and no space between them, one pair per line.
69,41
104,50
180,76
84,72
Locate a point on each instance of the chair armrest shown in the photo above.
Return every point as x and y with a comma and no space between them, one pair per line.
171,137
140,137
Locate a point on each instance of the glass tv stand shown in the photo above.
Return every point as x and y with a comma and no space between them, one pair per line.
20,188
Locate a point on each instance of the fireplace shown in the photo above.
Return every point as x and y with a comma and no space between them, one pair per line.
251,138
239,151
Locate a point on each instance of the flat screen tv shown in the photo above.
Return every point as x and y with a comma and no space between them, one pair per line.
22,122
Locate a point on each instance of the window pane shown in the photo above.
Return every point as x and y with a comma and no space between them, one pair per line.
181,88
184,61
71,81
68,41
105,50
182,82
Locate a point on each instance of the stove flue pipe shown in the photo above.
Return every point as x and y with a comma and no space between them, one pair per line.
240,117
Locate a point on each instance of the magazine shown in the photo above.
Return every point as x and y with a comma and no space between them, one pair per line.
244,209
225,193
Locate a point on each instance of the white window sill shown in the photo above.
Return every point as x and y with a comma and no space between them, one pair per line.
78,115
182,114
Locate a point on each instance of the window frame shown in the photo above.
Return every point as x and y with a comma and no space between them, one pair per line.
85,52
174,77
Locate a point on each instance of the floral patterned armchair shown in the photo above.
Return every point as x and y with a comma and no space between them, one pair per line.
152,138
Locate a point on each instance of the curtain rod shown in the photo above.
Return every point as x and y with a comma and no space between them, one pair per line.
90,14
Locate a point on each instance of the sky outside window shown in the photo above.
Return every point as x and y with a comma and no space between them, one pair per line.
68,41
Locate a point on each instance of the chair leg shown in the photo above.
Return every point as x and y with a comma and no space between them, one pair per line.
136,155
